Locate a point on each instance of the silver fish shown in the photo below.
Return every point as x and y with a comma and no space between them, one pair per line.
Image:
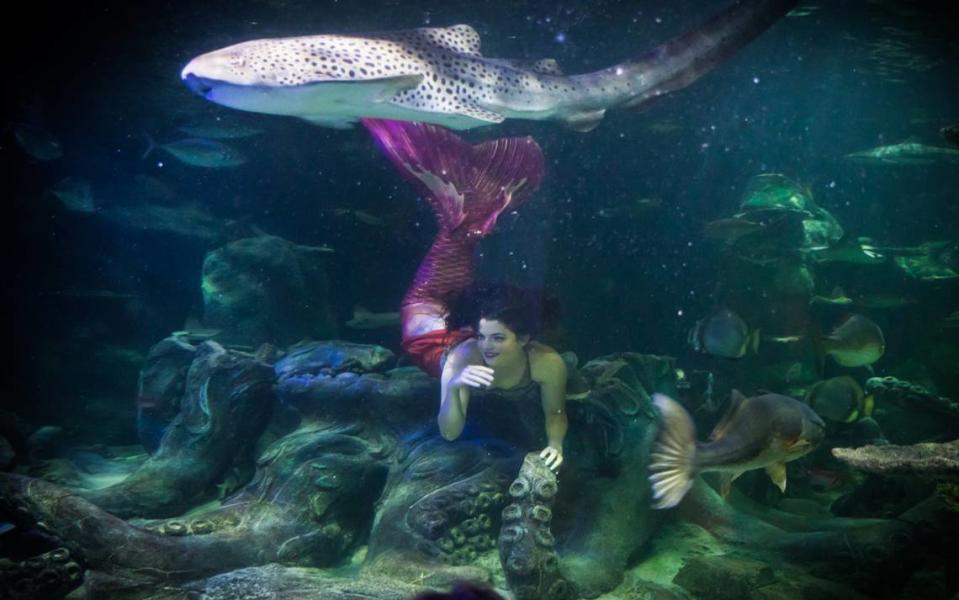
761,432
200,153
365,319
437,75
218,131
906,153
37,143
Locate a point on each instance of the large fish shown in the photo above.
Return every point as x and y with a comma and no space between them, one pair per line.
437,75
724,333
906,153
856,342
761,432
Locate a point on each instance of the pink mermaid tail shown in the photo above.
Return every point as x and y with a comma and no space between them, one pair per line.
468,187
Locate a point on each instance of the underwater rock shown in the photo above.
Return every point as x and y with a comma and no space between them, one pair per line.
226,403
267,289
284,515
526,544
724,577
930,261
160,387
333,357
936,461
911,396
50,575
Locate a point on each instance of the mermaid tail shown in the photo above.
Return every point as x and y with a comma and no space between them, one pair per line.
467,187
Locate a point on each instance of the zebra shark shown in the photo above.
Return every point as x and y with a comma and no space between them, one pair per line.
437,75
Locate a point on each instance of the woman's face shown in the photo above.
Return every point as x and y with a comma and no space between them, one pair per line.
498,344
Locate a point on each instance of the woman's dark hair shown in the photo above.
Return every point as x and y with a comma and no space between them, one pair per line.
524,311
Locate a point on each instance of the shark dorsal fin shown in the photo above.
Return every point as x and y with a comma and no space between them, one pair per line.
461,39
736,401
543,66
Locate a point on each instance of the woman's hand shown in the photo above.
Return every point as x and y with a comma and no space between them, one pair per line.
476,376
552,457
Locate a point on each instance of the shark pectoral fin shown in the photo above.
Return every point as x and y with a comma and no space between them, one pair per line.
777,472
333,122
388,87
586,120
479,113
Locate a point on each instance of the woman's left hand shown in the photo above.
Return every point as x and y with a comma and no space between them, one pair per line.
552,457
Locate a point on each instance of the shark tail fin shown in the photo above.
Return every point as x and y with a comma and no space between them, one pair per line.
467,186
672,463
151,145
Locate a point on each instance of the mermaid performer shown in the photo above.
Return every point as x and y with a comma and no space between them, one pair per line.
468,187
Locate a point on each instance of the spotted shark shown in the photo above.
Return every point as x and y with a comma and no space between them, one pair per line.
438,75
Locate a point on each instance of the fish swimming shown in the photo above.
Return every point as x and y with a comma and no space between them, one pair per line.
364,319
761,432
37,143
437,75
725,334
198,152
906,153
856,342
840,399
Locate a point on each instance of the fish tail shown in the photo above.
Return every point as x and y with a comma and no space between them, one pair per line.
467,186
682,60
151,145
672,462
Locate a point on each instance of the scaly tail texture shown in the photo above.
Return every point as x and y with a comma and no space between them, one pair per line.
467,186
672,462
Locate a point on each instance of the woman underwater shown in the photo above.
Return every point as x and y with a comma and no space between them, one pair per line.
468,187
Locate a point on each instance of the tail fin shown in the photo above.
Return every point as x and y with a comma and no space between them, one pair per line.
151,145
672,463
467,186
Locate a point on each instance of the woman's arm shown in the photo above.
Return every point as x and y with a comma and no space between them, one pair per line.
549,371
455,381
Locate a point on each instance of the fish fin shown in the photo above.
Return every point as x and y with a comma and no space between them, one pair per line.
585,121
393,85
543,66
332,122
853,416
499,174
672,461
868,404
479,113
151,145
736,400
777,472
461,39
726,480
755,341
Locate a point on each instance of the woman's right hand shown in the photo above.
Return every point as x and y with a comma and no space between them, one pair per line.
476,376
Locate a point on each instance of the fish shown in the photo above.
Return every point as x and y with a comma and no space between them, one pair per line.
725,334
856,342
636,208
731,230
75,194
906,153
840,399
438,75
950,133
219,131
365,319
361,216
199,152
37,143
760,432
851,251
